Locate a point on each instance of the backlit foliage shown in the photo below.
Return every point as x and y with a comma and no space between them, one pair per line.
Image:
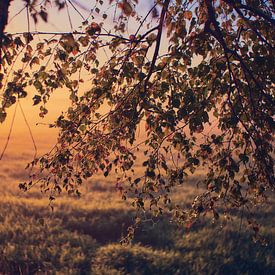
197,77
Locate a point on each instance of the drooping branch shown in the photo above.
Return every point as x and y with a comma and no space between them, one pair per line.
75,32
250,24
174,99
257,12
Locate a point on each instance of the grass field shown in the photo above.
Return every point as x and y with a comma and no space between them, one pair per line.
81,236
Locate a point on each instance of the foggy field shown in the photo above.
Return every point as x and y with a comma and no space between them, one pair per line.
81,236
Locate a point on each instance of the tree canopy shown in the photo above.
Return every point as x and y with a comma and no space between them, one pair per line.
196,78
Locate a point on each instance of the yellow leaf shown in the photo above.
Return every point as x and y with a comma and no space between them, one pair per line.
187,15
126,8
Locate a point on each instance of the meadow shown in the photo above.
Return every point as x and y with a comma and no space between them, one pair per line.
82,236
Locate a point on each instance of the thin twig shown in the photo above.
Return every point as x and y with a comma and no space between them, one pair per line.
10,131
76,32
29,128
69,17
76,9
17,13
28,17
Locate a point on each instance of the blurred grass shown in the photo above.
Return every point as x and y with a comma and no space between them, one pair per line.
81,236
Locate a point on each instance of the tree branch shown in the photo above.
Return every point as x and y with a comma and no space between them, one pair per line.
158,40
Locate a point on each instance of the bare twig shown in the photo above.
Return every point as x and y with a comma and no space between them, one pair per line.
29,128
10,131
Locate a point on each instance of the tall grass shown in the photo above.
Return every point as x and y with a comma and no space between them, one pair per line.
81,236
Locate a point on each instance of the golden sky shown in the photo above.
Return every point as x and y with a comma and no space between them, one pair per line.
20,141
